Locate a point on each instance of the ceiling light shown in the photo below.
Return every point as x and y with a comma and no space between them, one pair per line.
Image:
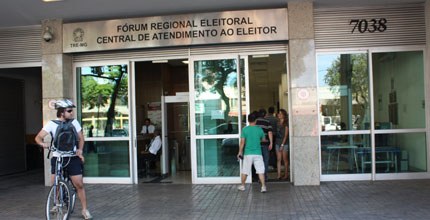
160,61
52,0
260,55
185,61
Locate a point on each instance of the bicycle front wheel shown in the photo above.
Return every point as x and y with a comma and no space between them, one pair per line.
58,202
73,198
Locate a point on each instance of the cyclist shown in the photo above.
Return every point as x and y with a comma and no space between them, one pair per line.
73,163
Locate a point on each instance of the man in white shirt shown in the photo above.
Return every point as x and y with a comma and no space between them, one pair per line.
147,128
154,147
74,163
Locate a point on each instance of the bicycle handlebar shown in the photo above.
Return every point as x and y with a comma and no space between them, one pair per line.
62,153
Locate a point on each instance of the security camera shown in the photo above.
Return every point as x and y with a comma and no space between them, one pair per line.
47,34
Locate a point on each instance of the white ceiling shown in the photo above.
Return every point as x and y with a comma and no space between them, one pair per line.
31,12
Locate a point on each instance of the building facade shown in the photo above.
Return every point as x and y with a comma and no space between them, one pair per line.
354,81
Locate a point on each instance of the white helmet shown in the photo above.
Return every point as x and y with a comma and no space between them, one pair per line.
64,103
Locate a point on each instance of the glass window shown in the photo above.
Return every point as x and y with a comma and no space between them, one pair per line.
216,97
342,154
398,79
217,157
107,159
104,100
403,152
343,91
398,100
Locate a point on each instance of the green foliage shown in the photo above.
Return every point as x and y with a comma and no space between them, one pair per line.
216,73
98,86
353,73
105,85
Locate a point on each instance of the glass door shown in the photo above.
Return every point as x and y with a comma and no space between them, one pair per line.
217,113
104,113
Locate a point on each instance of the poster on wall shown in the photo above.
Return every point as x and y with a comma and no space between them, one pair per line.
154,113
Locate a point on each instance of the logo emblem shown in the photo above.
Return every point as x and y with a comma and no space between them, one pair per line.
78,35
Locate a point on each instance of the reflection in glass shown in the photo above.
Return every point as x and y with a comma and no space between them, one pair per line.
398,79
401,153
103,94
217,157
106,159
216,96
343,91
340,154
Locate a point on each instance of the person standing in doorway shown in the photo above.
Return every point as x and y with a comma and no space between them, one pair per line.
267,143
250,152
75,162
281,143
271,117
148,128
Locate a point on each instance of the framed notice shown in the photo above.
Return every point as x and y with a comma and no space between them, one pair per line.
154,113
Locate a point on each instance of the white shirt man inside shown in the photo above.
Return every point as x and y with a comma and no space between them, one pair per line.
154,147
147,128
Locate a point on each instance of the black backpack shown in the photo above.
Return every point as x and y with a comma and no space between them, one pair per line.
66,137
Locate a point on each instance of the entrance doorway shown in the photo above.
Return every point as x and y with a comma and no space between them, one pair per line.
160,88
268,91
226,88
176,154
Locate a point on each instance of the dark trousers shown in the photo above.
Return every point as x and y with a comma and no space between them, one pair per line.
266,156
148,157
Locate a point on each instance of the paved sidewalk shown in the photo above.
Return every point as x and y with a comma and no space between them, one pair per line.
23,197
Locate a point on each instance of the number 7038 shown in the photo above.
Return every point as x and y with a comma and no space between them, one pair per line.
372,25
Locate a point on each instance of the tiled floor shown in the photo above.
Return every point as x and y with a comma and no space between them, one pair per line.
23,197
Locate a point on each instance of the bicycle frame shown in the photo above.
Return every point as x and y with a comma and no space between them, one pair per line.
61,190
58,176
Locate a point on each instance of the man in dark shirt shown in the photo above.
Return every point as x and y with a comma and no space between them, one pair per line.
266,146
271,117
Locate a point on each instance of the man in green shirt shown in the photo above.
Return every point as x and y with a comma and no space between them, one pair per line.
250,152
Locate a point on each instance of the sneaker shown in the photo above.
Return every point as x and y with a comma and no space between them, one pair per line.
86,214
263,189
241,188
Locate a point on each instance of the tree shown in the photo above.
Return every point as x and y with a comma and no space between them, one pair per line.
216,74
104,85
350,71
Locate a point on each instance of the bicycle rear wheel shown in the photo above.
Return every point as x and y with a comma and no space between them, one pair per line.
58,202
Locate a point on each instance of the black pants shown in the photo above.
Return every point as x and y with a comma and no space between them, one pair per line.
148,157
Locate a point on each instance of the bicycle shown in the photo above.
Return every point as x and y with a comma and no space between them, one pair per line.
61,198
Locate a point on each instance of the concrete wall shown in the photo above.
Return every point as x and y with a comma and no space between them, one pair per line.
303,81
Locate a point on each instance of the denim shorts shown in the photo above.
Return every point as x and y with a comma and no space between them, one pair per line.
284,149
